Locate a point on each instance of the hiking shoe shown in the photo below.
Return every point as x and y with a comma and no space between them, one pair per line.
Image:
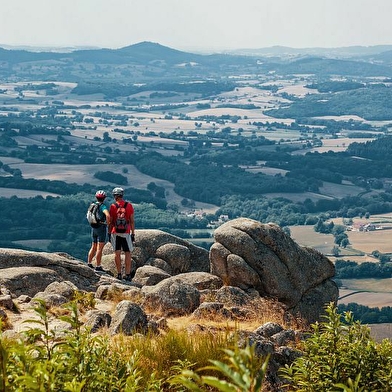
99,268
119,276
128,277
90,265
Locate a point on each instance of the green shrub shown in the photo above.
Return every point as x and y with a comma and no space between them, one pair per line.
115,178
341,355
75,360
338,355
242,371
72,360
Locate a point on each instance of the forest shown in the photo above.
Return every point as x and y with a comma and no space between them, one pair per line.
354,101
368,315
61,220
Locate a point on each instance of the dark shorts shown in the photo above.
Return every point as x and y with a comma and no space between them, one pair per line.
99,234
122,242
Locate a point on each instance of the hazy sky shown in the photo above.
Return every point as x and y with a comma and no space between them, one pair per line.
196,24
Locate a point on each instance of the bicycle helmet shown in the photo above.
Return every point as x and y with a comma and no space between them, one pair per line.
118,192
100,194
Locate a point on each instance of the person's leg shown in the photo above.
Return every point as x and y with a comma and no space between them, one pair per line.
98,256
128,263
101,238
91,253
116,240
93,249
117,261
128,247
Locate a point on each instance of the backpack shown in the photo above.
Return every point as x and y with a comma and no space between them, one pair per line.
120,223
93,215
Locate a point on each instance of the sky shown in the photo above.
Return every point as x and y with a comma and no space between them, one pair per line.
198,25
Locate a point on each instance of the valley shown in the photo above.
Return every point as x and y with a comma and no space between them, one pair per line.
271,139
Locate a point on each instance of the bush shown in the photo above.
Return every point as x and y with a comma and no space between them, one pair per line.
341,355
115,178
243,371
75,360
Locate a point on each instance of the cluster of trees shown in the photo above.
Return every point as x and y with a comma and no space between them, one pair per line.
232,157
333,86
109,176
368,315
377,150
332,165
113,89
209,183
371,103
285,212
61,221
338,231
352,270
152,196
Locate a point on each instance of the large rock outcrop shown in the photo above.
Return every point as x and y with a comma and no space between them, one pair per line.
246,254
26,272
164,251
249,254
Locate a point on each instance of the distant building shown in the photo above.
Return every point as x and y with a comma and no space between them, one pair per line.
360,226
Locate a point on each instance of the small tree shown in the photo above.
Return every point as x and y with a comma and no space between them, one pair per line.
341,355
336,251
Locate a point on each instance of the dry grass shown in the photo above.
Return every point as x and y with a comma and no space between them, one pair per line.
368,241
369,284
306,236
5,323
368,292
257,312
339,190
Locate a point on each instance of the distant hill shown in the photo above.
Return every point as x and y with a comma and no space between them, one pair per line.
141,53
148,61
340,52
384,57
327,66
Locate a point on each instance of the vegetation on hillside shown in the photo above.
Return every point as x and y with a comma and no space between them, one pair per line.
338,354
351,269
367,314
370,103
199,122
341,355
62,221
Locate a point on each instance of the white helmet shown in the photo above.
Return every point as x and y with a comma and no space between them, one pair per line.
118,192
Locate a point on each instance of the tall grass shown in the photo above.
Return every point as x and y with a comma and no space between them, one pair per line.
76,360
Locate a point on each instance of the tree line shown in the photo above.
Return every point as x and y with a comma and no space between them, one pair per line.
371,103
62,221
366,314
353,270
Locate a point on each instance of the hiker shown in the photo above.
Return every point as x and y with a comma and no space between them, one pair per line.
99,231
122,231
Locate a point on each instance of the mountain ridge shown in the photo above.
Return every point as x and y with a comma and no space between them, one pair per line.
150,61
345,51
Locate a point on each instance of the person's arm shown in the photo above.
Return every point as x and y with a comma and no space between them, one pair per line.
110,224
132,228
132,224
107,216
131,221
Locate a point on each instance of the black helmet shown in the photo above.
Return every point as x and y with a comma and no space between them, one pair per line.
118,192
